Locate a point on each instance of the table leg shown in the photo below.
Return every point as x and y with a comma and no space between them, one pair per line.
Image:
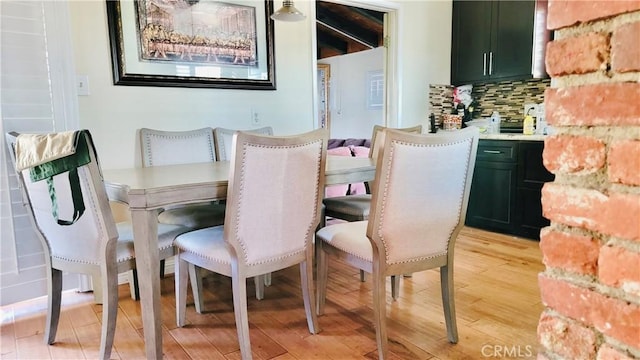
145,237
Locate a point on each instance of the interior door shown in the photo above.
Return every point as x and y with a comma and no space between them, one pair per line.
389,108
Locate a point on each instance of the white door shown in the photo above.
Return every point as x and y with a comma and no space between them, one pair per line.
350,122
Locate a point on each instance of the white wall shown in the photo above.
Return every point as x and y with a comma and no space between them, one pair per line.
350,116
113,113
425,35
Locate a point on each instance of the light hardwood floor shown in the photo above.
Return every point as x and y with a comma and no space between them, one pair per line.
497,302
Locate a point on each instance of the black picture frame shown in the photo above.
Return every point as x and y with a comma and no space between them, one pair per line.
221,58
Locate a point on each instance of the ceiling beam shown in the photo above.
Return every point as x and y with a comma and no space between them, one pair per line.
339,31
325,39
349,27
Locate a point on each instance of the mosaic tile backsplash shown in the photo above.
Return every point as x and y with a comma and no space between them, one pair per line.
507,97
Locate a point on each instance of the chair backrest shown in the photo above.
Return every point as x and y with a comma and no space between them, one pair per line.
176,147
92,238
427,179
274,195
377,138
223,138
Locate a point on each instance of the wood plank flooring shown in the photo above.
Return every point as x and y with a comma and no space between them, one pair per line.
497,302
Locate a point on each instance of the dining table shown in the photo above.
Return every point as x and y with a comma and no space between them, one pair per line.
146,190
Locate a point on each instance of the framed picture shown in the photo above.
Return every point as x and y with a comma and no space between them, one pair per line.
192,43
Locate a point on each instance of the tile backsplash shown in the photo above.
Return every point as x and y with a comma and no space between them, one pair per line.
507,97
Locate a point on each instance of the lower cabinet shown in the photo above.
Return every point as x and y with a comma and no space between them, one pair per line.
531,177
493,196
506,188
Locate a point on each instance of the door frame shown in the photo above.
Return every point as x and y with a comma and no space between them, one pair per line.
391,108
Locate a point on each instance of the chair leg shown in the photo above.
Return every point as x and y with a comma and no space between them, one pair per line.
239,285
134,287
54,298
181,275
259,283
362,276
109,310
96,283
196,287
306,279
322,267
379,311
267,279
162,269
448,302
395,286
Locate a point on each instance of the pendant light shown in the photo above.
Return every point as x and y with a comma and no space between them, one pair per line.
288,12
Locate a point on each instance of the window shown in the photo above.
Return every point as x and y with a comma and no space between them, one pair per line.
375,89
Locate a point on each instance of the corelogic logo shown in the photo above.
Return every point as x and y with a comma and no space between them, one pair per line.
506,351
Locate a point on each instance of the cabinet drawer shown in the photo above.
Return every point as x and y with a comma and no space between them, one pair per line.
497,150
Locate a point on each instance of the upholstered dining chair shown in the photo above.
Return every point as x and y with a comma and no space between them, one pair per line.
89,242
223,141
160,147
182,147
280,176
357,207
418,206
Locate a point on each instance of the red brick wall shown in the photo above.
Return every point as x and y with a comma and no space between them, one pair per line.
591,285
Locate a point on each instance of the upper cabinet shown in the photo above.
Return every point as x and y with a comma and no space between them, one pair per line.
497,40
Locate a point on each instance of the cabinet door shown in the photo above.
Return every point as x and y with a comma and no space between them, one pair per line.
512,39
532,174
531,177
529,214
492,196
471,31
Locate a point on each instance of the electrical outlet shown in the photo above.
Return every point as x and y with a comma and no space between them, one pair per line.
255,120
82,85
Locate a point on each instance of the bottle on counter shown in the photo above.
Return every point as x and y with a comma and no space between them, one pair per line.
528,126
495,120
432,124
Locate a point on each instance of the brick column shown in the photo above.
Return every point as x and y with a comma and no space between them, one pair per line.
591,285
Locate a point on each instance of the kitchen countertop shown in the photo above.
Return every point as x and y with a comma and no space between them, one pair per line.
511,136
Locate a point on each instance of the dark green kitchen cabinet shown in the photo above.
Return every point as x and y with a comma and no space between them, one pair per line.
493,189
532,175
506,188
492,41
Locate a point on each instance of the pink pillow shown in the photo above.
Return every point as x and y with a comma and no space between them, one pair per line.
342,151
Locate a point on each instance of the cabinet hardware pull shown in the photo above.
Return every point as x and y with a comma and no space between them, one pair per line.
492,151
484,64
490,63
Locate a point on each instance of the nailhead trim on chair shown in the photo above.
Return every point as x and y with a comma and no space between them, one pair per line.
148,145
386,189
